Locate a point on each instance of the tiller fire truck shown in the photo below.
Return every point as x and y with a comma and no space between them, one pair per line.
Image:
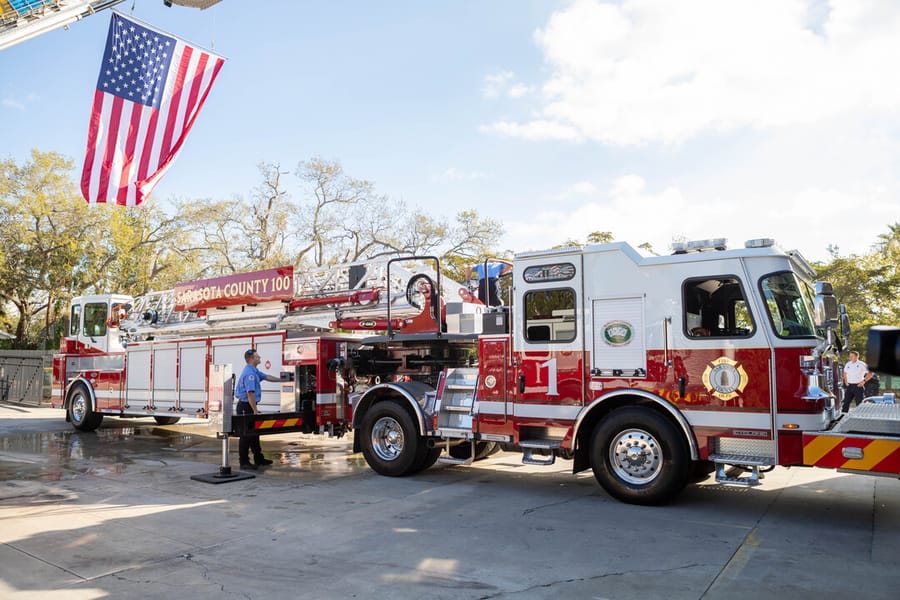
653,371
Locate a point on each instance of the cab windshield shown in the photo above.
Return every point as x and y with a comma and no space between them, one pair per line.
790,306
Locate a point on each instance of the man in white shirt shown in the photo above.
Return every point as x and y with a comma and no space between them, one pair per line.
856,374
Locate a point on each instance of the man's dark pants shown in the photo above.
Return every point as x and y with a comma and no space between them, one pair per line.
247,443
854,390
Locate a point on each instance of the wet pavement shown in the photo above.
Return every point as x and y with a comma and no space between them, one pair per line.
115,514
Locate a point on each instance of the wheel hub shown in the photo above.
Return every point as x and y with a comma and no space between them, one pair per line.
387,438
635,456
78,408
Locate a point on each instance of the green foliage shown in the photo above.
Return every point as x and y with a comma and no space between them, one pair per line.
867,285
45,230
53,246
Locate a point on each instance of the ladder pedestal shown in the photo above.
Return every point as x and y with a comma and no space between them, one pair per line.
224,474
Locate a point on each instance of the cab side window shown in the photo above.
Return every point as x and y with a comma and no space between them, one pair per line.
550,315
75,320
95,315
715,307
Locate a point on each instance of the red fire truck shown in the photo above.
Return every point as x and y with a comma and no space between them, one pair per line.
150,356
649,370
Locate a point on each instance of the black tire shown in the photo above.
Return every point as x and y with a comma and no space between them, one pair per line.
701,470
482,450
81,409
639,456
431,456
390,442
166,420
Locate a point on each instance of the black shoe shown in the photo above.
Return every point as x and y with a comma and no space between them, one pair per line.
261,461
248,466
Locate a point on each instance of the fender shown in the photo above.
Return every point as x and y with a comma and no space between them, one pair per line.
652,398
90,390
412,394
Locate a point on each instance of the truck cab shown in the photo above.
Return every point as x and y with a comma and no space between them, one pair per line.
94,323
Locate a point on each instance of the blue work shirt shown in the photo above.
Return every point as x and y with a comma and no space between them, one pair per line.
250,381
493,271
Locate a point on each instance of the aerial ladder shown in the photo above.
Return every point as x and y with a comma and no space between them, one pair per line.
382,295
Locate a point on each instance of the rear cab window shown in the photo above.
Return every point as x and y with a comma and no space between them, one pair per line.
716,307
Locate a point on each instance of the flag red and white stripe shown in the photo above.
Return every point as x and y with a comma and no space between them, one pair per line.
150,90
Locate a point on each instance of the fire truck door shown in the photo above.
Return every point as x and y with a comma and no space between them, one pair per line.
497,381
549,336
94,329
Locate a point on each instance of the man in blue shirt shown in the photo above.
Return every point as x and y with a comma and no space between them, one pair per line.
248,392
489,283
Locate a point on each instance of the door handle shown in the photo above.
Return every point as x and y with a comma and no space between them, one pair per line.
522,383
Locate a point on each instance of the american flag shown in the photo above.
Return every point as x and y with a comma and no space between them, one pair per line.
149,92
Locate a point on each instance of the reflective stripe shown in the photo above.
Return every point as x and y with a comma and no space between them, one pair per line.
878,455
491,408
277,423
547,411
730,419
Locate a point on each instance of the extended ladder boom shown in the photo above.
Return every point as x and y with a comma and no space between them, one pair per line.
337,296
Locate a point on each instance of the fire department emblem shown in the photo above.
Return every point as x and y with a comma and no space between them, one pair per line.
725,378
618,333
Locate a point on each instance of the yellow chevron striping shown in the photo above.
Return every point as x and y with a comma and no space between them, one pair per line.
819,447
873,453
272,423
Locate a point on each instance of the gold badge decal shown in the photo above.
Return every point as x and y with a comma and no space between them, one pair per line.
725,378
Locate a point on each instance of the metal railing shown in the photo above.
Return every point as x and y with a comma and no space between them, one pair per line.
25,376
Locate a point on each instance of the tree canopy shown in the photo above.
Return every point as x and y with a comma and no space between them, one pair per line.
53,246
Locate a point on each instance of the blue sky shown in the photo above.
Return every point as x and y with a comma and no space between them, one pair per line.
651,119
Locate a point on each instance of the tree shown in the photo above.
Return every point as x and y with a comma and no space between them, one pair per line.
867,285
600,237
345,220
140,249
336,219
54,246
46,230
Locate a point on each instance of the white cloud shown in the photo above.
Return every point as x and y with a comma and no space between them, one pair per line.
581,188
644,71
534,130
13,103
504,83
493,84
518,90
454,174
636,213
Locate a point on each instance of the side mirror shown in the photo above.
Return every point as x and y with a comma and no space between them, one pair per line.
845,323
826,305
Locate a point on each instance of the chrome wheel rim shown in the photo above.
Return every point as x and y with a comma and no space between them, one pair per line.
387,438
636,457
79,408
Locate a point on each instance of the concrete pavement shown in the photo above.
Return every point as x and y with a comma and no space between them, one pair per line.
114,514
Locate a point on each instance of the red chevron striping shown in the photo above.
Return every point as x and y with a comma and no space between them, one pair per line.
834,458
277,423
890,464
